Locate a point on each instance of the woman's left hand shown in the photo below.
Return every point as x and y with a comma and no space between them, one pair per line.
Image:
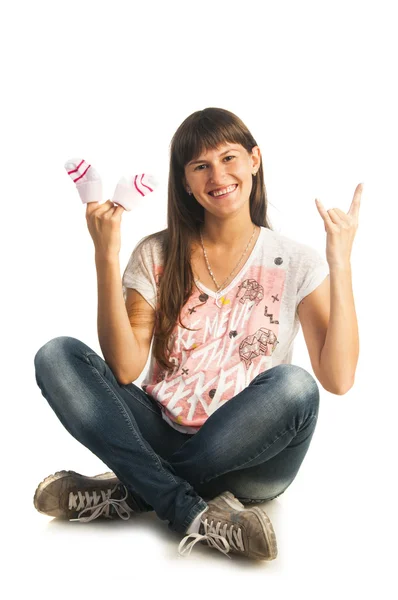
341,228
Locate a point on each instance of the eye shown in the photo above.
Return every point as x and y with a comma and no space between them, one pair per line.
196,168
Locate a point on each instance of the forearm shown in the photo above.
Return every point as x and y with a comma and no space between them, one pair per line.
116,337
339,355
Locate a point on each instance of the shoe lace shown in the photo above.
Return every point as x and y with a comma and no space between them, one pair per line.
90,502
230,536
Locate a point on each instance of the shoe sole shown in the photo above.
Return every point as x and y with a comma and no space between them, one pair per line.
264,519
59,475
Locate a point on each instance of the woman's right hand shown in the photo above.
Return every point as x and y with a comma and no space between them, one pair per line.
103,222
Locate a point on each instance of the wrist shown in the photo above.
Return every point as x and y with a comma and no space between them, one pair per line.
106,258
340,267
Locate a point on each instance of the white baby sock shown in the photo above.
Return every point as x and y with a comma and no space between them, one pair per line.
129,190
86,178
194,527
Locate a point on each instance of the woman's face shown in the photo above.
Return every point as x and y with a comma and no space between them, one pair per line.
229,164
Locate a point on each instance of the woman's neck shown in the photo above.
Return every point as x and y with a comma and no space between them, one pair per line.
216,238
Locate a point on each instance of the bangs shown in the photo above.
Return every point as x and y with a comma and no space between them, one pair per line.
200,133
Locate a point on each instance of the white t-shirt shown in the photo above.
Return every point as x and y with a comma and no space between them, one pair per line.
251,330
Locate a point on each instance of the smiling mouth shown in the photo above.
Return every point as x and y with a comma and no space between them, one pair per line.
225,195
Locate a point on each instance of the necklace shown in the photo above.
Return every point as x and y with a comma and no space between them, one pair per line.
229,276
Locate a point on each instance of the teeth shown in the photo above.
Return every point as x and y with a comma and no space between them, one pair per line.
224,191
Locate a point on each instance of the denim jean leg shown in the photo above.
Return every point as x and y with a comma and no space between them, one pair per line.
99,413
254,444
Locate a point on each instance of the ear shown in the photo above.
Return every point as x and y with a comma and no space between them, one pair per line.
256,156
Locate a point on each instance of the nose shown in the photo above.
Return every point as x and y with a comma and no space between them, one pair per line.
217,173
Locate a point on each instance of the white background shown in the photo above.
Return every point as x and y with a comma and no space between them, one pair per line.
315,82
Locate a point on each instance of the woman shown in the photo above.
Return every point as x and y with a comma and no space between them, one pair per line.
223,419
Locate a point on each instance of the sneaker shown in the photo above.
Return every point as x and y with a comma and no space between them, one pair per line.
69,495
230,527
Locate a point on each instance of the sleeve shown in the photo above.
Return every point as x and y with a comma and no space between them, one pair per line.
313,270
139,274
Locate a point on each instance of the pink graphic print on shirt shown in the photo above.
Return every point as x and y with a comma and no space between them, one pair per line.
233,345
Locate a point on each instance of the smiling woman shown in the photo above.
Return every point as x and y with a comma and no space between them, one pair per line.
224,173
212,149
220,289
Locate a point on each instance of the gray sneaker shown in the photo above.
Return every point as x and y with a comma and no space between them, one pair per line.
68,495
230,527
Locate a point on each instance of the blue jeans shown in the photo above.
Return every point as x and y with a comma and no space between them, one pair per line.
253,445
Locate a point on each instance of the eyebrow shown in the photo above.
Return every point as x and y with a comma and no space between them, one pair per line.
194,162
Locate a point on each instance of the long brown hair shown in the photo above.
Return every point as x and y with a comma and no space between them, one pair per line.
203,130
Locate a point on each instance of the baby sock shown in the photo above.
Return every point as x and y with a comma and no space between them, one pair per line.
86,178
194,527
130,190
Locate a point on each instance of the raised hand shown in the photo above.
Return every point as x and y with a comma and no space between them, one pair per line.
103,222
341,228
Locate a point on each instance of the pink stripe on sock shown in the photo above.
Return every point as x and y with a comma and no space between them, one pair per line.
150,189
136,187
77,179
77,168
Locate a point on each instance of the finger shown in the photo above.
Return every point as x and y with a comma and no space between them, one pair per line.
356,201
324,214
97,207
115,212
119,210
337,214
117,205
91,207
